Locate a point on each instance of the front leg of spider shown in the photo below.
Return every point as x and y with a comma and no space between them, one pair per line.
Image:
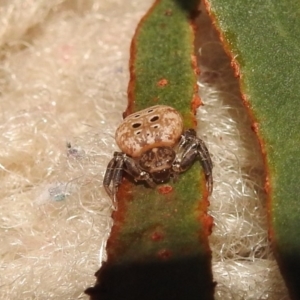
114,172
192,148
132,168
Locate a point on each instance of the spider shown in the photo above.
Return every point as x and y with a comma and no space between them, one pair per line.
155,148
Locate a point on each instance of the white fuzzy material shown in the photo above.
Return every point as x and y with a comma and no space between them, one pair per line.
63,82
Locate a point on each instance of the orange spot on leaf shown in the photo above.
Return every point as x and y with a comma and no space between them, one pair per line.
165,189
157,236
163,82
267,185
254,127
196,102
236,68
209,222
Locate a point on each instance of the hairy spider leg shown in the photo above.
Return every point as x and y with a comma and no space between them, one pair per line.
206,163
114,171
191,148
138,174
113,175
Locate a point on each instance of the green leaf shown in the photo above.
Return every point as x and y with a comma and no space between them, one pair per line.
158,247
263,40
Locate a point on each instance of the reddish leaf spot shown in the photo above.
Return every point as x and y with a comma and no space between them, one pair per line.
209,222
165,189
163,82
157,236
164,254
196,102
267,185
236,68
254,127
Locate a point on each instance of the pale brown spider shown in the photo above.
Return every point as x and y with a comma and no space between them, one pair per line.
154,149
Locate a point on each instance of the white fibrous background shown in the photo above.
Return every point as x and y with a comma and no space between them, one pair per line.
63,82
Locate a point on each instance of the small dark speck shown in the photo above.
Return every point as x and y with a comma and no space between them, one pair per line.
119,70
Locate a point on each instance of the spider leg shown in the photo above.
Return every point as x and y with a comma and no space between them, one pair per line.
133,169
113,174
117,175
206,163
191,148
108,177
114,171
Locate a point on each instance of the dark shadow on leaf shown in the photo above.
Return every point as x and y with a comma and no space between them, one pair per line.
172,279
290,267
190,6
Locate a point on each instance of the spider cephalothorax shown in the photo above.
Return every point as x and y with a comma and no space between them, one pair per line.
158,163
155,148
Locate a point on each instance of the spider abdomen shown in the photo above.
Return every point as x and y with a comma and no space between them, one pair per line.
156,126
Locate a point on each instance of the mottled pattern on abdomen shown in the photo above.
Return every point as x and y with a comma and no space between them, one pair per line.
155,126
